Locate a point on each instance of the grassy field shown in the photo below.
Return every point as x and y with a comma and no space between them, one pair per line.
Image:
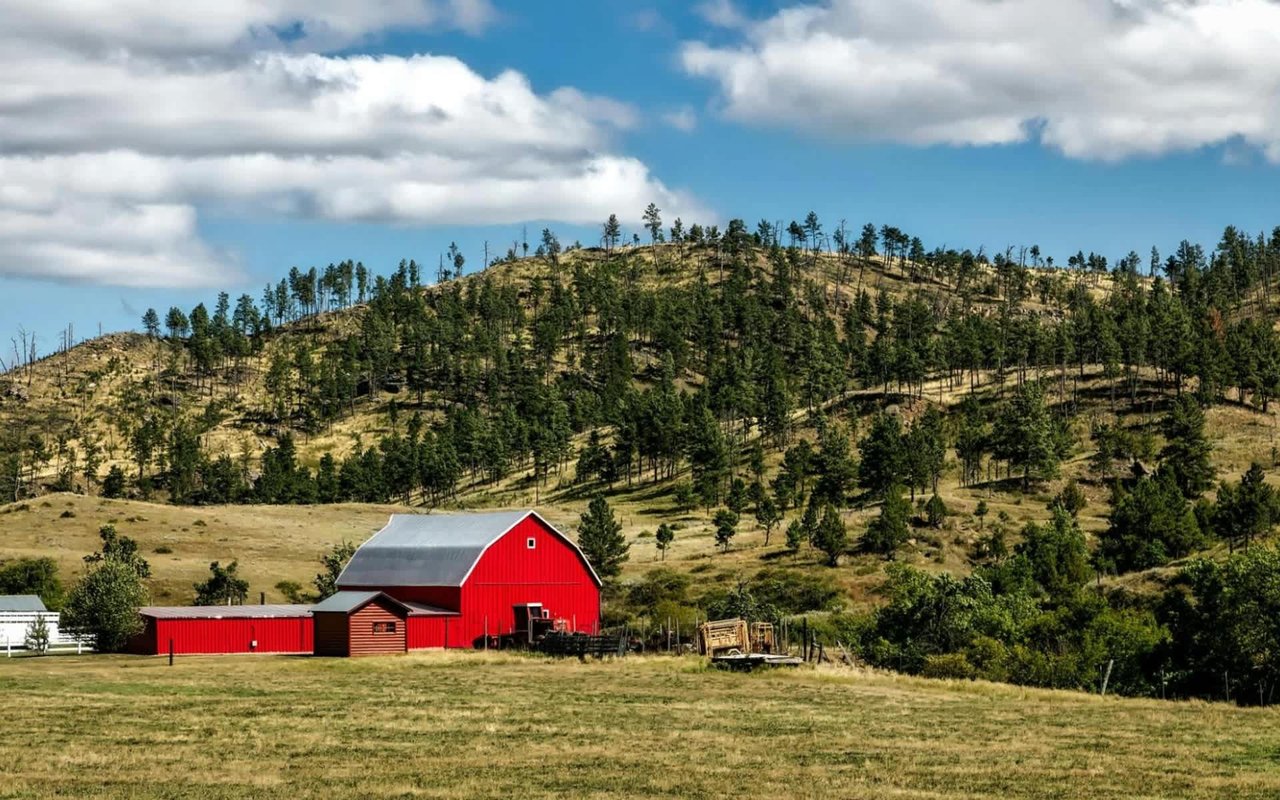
479,725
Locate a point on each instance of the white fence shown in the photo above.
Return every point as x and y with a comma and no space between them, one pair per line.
14,626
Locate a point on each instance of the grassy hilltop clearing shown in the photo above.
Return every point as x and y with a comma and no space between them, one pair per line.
960,465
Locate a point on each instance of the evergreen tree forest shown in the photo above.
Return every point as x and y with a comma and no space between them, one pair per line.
836,386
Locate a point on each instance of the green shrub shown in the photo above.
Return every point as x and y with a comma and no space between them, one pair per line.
949,665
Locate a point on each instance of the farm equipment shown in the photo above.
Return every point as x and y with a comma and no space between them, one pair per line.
724,637
735,644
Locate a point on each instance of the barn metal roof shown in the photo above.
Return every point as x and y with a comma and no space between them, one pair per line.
224,612
430,549
21,602
344,602
423,610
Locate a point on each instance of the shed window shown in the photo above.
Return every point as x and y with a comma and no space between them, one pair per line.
384,627
531,543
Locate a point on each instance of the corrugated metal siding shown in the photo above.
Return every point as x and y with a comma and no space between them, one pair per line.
509,574
192,636
430,632
362,641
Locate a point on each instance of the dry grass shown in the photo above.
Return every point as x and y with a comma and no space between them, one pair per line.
473,725
272,543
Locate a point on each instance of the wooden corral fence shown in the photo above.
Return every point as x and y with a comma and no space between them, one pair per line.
583,645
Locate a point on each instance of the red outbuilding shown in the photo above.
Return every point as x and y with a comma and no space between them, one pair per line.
224,629
464,577
423,581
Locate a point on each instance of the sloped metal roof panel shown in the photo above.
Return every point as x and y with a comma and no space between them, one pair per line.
427,549
21,602
424,610
344,602
225,612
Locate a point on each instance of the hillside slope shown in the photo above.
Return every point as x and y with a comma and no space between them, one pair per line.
71,417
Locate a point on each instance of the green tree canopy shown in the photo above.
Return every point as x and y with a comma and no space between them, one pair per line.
600,537
1187,450
223,586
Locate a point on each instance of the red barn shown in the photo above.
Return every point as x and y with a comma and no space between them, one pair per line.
461,577
224,629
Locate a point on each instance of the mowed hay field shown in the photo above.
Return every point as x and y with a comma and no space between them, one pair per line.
493,725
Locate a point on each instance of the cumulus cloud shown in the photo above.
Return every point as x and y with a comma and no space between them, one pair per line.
1092,79
108,154
215,27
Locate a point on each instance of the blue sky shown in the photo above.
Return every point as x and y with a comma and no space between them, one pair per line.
858,109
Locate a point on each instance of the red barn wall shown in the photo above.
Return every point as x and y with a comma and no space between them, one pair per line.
444,597
509,574
431,632
194,636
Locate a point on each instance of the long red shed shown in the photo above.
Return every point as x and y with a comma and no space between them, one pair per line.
463,577
224,629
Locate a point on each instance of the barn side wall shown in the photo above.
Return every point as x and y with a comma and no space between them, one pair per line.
431,632
197,636
362,641
510,573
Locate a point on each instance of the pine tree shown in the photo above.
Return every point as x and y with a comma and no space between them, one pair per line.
1247,510
935,511
883,455
601,540
612,232
726,524
831,536
1186,452
663,538
796,536
1025,436
890,529
835,466
768,515
151,323
653,221
36,637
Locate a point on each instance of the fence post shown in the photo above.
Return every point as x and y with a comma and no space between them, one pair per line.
171,652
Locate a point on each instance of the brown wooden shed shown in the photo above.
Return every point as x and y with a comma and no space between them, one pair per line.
360,624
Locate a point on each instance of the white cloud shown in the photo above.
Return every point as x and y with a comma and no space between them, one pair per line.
108,154
1093,79
683,119
215,27
721,13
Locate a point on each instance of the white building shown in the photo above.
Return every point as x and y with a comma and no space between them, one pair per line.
17,612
